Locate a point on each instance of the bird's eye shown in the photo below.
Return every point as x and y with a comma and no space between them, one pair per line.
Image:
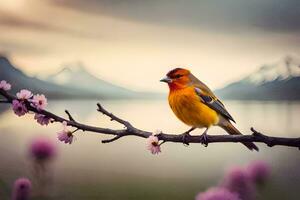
178,76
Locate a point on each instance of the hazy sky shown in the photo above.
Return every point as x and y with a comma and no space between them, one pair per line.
134,42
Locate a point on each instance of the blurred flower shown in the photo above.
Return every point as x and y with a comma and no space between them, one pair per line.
42,119
42,149
153,144
237,180
19,107
259,171
39,101
24,94
217,193
65,135
5,85
21,189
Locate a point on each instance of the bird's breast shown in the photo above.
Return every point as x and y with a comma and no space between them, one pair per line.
187,106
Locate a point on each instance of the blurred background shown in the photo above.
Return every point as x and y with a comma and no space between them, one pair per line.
115,52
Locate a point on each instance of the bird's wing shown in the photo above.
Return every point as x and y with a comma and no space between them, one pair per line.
213,102
199,84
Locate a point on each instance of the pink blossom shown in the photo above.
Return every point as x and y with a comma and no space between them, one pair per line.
21,189
42,149
153,144
65,135
19,108
39,101
42,119
24,94
217,193
237,180
259,171
5,85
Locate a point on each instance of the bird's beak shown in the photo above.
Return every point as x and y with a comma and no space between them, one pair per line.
166,80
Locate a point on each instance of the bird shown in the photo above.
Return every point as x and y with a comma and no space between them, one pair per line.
197,106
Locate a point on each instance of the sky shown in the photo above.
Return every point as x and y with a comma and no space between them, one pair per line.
134,43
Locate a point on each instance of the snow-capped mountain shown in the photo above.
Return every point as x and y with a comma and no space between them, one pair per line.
277,81
71,82
19,80
286,68
65,75
76,76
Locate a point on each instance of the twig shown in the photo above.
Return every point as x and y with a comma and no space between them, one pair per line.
69,115
113,117
112,139
4,101
164,137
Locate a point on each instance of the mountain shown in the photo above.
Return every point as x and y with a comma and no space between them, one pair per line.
76,76
70,83
19,80
278,81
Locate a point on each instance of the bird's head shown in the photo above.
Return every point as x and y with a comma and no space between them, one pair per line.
177,78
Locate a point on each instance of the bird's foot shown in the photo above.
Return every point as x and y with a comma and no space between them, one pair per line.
185,137
204,139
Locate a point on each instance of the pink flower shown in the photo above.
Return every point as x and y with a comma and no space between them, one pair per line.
259,171
19,108
153,143
4,85
237,180
24,94
42,149
65,135
39,101
217,193
21,189
42,119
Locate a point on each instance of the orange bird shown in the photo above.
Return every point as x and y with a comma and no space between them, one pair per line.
197,106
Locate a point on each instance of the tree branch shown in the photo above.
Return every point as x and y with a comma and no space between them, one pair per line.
164,137
70,116
112,139
113,117
4,101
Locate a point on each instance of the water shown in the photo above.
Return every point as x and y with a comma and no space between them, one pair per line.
124,169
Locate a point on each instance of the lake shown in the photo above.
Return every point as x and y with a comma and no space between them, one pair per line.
124,169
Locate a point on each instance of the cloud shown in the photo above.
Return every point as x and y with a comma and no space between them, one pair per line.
15,21
7,47
10,20
229,15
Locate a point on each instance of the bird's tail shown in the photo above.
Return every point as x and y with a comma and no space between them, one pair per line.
229,128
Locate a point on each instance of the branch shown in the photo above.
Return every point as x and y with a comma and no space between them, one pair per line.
70,116
112,139
4,101
113,117
164,137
